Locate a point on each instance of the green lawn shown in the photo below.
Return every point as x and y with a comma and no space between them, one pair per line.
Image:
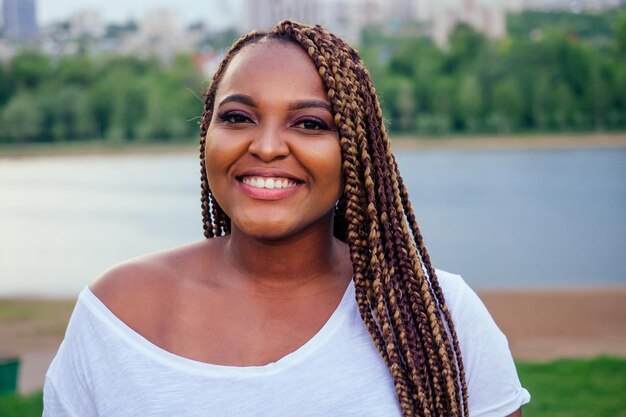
575,388
564,388
12,405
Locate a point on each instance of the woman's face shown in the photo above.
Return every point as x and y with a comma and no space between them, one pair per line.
272,152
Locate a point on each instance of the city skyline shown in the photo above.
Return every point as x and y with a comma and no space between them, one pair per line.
217,13
221,14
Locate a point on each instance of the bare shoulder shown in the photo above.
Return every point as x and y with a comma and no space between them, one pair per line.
138,287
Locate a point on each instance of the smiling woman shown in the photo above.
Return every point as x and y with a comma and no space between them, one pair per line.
313,294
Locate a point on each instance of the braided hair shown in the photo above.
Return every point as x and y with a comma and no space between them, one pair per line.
397,291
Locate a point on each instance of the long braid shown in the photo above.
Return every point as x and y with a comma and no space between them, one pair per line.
397,291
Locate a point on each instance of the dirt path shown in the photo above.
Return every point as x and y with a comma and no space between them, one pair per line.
540,325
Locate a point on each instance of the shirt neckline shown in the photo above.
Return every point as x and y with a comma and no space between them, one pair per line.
143,345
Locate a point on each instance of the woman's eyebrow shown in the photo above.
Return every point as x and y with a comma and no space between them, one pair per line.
239,98
310,104
298,105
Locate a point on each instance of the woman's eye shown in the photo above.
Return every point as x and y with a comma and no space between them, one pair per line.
234,118
311,124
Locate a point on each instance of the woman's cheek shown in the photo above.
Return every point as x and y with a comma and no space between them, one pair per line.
222,149
323,159
221,152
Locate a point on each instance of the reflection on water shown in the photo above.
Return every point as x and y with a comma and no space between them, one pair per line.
500,218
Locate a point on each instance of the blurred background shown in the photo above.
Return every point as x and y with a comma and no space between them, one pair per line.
508,119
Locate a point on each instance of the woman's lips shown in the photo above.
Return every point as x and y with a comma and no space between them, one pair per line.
268,188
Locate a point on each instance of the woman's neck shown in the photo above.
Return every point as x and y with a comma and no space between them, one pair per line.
310,259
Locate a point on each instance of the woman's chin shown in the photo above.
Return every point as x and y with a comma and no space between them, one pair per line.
277,224
265,230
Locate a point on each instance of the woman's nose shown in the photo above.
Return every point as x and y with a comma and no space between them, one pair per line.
269,143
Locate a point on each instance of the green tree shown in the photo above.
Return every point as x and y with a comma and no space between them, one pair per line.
564,114
507,104
73,115
469,102
599,93
163,119
401,105
443,96
542,101
6,87
29,69
76,70
118,99
466,45
620,35
21,120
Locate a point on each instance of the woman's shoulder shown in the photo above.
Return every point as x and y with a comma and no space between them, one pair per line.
468,312
453,286
136,289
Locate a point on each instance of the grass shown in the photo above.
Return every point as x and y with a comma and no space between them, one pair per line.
562,388
575,388
20,310
13,405
32,324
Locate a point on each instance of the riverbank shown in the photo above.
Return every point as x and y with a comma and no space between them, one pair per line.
399,143
34,150
540,325
521,142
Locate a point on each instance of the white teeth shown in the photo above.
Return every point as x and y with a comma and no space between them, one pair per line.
270,183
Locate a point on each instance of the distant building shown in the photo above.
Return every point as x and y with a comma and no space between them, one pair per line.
7,51
160,33
19,20
264,14
87,22
346,18
161,23
486,16
571,5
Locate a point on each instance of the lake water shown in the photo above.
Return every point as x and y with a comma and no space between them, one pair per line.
502,219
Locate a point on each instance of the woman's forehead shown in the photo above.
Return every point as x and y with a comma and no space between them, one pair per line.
272,65
269,50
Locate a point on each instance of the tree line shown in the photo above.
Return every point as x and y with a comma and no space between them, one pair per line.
109,98
555,72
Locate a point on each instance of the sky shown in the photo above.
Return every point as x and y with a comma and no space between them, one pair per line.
217,13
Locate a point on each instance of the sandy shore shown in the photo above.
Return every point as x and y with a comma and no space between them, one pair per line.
512,142
399,143
540,325
549,324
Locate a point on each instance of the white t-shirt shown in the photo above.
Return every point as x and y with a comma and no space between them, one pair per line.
104,368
